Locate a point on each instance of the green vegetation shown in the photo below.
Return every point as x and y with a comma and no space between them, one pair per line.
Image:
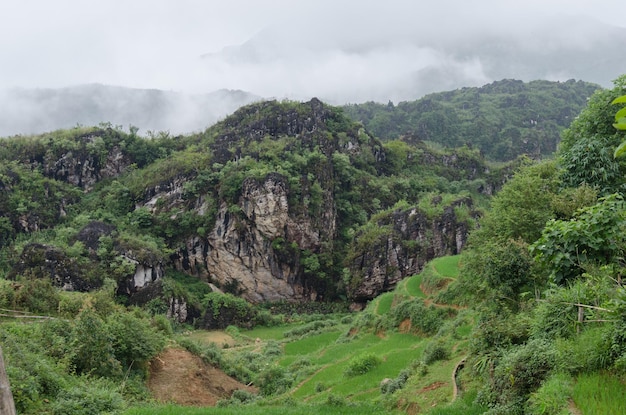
599,394
104,268
333,407
504,119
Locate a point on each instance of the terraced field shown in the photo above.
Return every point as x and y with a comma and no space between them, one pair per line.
317,357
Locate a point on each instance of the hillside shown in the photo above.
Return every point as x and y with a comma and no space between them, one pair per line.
267,204
292,251
503,119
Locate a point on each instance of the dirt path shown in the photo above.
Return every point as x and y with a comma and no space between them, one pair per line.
573,409
177,376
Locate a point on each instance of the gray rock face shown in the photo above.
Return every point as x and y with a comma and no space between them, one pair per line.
82,169
44,261
254,247
240,252
412,239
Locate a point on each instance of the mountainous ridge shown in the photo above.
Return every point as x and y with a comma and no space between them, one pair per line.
286,208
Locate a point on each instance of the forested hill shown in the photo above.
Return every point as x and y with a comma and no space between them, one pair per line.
285,212
279,201
503,119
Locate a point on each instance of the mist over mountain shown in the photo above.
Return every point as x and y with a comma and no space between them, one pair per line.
389,56
413,57
31,111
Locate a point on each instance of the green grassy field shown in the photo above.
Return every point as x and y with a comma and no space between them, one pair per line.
319,360
599,394
413,286
447,266
290,408
384,303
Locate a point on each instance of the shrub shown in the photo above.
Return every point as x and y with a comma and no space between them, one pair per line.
210,353
434,351
398,383
37,295
223,310
134,339
589,351
88,398
7,294
520,372
552,397
362,364
313,327
162,324
425,319
273,380
272,349
92,347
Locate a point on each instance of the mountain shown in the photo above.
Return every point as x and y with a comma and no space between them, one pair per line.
503,119
110,241
278,201
34,111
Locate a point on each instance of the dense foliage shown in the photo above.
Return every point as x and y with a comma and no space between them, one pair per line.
504,119
537,310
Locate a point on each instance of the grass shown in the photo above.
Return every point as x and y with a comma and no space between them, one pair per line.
447,266
290,408
318,360
396,350
311,344
384,303
413,286
463,406
599,393
269,333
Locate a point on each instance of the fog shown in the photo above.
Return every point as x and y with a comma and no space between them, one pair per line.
340,51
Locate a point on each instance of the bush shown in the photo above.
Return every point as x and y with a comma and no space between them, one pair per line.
434,351
552,397
273,380
134,339
210,353
7,294
272,349
92,347
37,295
223,310
520,372
163,325
398,383
362,364
88,398
425,319
313,327
590,351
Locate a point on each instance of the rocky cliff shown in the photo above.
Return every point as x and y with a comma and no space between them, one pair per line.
272,204
402,242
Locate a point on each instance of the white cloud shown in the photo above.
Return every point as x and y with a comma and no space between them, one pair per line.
350,49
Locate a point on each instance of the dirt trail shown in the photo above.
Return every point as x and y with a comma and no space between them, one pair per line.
573,409
177,376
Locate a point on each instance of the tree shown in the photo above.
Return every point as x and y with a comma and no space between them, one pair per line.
522,207
594,235
620,123
588,146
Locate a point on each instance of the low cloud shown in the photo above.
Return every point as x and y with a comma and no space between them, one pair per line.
341,52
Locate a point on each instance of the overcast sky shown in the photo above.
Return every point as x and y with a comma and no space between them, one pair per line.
196,46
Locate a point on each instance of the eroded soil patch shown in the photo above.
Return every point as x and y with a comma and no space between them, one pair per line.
177,376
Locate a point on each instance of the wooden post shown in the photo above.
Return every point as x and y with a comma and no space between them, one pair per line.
7,406
581,318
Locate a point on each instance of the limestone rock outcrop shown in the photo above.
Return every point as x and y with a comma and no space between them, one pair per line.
410,239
